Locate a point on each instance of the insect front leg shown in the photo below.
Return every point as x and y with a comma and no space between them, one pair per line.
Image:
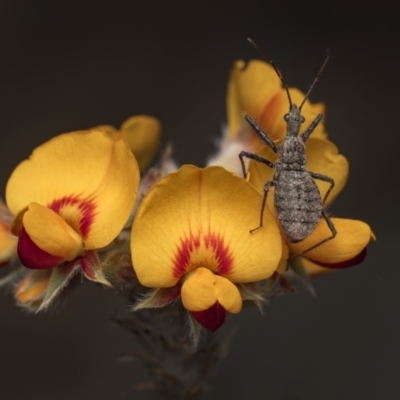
332,229
254,157
267,186
325,179
311,128
263,136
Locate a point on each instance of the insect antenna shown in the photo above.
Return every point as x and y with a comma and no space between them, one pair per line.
328,55
258,48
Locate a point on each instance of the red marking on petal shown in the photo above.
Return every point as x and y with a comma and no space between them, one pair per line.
358,259
182,258
222,254
212,318
269,114
86,207
33,256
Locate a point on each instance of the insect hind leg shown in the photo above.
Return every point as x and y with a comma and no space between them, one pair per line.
332,229
267,186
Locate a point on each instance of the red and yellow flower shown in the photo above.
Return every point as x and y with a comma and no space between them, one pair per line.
191,237
74,194
348,248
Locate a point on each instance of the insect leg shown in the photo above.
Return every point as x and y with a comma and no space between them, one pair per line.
330,226
266,190
262,135
311,128
325,179
254,157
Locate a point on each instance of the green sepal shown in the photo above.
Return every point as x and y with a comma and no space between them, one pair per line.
60,277
117,269
195,331
253,292
158,298
279,284
12,276
92,268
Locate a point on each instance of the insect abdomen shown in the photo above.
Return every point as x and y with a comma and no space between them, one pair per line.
298,204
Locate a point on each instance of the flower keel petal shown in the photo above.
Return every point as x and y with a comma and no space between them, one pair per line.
46,239
352,238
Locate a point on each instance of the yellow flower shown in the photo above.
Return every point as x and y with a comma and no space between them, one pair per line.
348,248
256,90
192,230
143,135
73,194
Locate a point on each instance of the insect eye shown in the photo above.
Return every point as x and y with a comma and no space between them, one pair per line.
286,117
302,119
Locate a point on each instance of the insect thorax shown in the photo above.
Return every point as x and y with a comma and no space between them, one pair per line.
291,155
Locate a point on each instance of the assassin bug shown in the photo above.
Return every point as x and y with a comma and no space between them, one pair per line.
297,199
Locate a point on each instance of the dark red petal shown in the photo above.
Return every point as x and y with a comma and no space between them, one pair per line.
212,318
33,256
358,259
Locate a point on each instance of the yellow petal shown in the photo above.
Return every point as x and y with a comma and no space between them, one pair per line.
202,217
115,196
143,135
322,157
202,288
109,129
250,87
51,233
313,269
228,295
283,263
88,177
352,237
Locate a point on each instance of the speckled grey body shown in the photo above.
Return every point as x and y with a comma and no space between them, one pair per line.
297,199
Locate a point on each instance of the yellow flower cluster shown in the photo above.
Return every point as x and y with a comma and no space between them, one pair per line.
190,233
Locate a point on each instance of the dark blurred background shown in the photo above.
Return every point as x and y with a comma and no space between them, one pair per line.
69,65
